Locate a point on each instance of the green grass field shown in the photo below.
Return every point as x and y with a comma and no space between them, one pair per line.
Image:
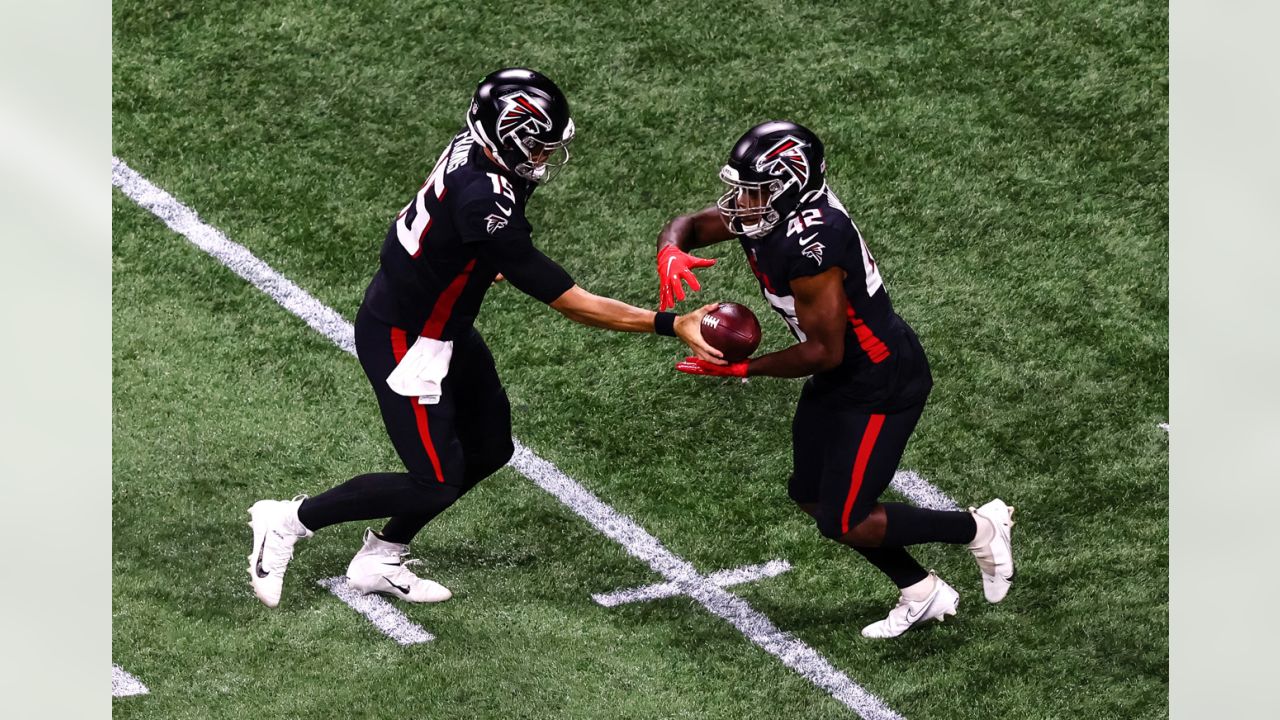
1007,163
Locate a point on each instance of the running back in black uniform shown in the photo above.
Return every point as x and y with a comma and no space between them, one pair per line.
878,389
884,368
869,376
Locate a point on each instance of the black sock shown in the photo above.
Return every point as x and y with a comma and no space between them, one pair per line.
895,562
376,495
909,525
402,528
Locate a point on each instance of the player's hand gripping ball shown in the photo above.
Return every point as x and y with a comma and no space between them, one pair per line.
733,330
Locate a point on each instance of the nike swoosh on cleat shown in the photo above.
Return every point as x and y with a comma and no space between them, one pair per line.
402,588
913,619
261,549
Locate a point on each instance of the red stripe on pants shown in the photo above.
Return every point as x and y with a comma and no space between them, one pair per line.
444,304
400,346
860,467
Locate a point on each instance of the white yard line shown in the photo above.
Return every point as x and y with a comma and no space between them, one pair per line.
184,221
384,616
723,578
640,544
921,492
791,651
123,684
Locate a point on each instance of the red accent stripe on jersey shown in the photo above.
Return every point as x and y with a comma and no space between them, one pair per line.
444,304
400,346
875,349
860,467
755,269
422,237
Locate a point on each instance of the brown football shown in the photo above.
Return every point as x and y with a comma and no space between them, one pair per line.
733,330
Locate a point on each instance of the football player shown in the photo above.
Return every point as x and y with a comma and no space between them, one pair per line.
439,393
868,375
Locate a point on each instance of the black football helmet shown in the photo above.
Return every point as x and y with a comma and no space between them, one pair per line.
523,119
770,169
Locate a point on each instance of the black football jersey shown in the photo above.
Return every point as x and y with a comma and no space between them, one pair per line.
465,225
884,366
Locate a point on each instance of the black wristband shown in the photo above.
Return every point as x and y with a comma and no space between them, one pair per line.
664,323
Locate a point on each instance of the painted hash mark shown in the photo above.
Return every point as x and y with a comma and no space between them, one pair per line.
384,616
124,685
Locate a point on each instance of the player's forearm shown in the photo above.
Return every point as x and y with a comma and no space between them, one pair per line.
585,308
679,232
799,360
695,230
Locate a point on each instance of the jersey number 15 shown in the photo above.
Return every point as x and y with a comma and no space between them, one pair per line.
414,220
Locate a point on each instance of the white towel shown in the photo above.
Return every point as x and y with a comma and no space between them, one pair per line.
422,369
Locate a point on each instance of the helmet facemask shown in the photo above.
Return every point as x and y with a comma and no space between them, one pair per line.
749,208
543,161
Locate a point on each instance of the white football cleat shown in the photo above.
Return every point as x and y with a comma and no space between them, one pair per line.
995,559
275,531
381,567
943,601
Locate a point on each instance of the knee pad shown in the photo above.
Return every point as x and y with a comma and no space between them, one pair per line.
504,451
488,458
495,454
433,498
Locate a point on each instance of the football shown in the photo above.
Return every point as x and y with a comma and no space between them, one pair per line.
733,330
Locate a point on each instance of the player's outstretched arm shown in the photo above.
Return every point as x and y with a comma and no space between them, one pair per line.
675,264
820,309
592,310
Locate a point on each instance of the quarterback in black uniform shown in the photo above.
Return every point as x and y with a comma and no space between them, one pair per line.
868,374
441,401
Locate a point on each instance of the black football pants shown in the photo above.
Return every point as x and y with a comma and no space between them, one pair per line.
843,459
446,448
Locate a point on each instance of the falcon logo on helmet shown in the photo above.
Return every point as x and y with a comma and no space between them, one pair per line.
523,120
519,111
786,156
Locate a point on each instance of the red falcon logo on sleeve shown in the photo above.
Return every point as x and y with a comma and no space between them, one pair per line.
521,112
786,157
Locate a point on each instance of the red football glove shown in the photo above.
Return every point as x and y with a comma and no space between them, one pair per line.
698,366
675,265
